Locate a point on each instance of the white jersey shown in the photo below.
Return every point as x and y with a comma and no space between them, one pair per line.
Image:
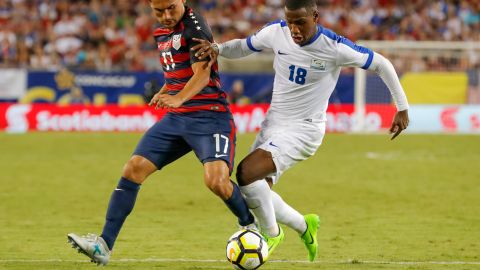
305,76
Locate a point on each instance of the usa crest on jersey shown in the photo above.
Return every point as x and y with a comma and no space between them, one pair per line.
177,41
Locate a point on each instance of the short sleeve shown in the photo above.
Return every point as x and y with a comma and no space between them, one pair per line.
350,54
263,39
198,29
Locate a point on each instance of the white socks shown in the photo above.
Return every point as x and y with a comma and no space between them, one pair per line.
285,214
259,200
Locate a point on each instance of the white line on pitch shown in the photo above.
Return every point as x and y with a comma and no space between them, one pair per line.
273,261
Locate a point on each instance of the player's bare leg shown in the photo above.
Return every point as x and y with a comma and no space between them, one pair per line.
138,169
217,179
98,248
251,173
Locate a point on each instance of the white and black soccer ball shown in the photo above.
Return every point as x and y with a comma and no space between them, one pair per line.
247,250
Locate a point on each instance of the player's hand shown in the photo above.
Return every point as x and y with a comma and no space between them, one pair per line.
205,49
156,101
210,63
169,101
400,123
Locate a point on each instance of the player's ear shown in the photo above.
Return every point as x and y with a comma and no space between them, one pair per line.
315,15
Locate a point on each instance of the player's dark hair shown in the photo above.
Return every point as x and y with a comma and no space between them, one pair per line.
309,5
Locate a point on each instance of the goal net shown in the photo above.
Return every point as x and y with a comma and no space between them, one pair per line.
432,73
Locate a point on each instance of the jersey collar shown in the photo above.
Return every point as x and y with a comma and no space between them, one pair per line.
315,37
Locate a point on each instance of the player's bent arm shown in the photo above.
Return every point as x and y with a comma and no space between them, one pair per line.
235,48
200,79
163,89
155,97
384,68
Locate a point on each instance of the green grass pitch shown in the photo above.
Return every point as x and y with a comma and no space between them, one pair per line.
412,203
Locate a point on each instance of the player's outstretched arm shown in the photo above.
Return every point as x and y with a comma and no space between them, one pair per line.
384,68
235,48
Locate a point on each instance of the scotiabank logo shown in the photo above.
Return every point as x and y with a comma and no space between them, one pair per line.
85,121
475,120
448,120
22,118
16,117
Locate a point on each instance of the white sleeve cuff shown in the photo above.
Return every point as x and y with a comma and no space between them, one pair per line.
384,68
235,48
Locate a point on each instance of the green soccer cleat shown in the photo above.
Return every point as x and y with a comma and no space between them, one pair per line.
92,246
309,237
273,242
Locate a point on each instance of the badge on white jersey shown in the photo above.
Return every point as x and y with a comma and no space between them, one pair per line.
319,64
177,41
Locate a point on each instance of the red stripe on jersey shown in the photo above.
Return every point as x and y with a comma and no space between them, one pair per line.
181,57
162,31
175,87
179,74
206,96
215,83
232,145
165,31
208,107
203,96
183,42
180,86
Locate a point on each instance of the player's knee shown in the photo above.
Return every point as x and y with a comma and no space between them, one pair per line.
244,175
220,186
135,170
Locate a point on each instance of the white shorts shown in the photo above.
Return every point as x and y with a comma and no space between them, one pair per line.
289,142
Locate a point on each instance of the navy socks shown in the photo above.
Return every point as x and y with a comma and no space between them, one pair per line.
121,204
123,199
238,206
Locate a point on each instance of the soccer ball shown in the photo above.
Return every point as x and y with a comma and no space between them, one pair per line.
247,250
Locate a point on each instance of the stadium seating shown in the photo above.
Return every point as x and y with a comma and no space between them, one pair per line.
116,35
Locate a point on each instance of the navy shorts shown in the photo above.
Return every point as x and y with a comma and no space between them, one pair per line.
211,138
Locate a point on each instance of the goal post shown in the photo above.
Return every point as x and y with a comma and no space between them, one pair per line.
431,72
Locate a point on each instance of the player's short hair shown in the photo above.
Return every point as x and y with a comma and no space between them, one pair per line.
309,5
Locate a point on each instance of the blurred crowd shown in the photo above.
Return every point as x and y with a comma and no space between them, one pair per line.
115,35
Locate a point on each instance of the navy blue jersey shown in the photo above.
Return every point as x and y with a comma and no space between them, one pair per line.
177,59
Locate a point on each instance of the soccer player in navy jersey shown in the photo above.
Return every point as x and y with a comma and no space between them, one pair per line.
198,119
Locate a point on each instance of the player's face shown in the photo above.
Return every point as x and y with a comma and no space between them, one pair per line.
302,24
168,12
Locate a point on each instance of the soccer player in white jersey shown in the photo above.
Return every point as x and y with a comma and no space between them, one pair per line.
308,59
